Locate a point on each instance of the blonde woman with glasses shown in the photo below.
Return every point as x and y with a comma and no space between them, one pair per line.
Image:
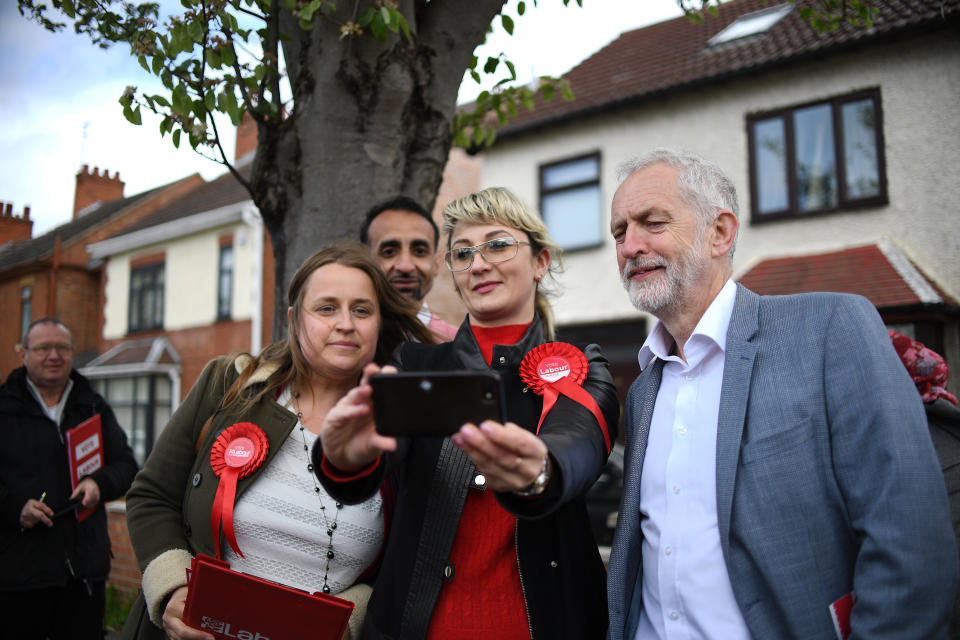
491,538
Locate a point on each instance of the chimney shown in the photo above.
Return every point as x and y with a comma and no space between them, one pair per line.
93,187
246,138
14,228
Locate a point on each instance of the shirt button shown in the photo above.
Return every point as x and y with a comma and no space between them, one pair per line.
479,480
196,479
503,360
668,551
674,615
682,431
553,564
676,489
688,377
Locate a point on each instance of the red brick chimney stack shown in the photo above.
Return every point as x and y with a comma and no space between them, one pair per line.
246,137
93,187
14,228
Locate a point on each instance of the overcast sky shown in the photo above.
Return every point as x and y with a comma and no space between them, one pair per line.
58,99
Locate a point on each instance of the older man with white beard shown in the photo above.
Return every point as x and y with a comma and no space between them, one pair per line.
779,479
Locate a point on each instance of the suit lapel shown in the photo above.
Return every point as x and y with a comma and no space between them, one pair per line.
734,395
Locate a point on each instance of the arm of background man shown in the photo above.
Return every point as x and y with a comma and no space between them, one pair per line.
120,466
906,569
576,445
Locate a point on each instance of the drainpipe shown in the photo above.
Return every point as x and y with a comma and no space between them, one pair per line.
251,217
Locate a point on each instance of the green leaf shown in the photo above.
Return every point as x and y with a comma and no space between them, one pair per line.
181,101
157,64
479,135
307,12
378,28
289,5
209,101
195,30
68,8
513,69
176,138
521,8
491,64
507,22
385,16
473,62
512,108
366,17
160,100
547,91
143,63
132,116
476,76
491,136
167,78
227,56
212,58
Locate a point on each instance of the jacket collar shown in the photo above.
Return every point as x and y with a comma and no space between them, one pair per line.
467,351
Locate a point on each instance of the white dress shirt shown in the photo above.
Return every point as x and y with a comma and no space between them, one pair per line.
686,587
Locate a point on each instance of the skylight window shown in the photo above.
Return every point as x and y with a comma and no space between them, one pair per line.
751,24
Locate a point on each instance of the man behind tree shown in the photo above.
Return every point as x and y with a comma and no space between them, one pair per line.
403,238
53,568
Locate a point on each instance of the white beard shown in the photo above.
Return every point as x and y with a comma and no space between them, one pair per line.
667,290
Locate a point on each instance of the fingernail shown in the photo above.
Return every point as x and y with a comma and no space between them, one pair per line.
486,426
457,440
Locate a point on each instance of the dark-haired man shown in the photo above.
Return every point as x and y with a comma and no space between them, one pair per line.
53,568
403,238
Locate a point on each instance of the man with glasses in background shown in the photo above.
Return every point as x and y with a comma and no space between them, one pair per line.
53,566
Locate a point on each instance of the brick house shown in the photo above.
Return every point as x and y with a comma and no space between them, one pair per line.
838,143
53,274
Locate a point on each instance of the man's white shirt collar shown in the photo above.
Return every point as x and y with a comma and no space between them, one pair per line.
712,326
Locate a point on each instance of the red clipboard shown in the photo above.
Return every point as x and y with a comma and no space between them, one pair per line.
84,455
232,605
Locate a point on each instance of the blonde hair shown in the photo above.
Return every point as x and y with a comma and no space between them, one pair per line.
498,205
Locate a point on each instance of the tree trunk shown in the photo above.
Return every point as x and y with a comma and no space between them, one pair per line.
370,120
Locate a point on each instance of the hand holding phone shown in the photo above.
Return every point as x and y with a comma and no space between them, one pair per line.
435,403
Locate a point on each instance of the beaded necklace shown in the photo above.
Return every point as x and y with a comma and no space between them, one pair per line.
331,526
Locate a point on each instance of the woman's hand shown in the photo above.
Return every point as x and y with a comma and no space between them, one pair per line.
348,435
173,622
509,456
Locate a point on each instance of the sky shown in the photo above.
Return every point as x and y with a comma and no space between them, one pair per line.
59,93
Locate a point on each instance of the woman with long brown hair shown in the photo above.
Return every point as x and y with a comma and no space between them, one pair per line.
342,315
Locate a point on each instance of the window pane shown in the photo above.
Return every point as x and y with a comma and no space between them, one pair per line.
143,389
816,165
225,288
573,217
860,149
163,390
770,151
570,173
121,390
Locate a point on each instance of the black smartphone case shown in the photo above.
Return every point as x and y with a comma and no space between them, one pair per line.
435,403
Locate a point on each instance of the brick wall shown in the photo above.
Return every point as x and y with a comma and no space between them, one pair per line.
124,571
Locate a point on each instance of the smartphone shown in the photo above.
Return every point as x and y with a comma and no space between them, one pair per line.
67,508
435,403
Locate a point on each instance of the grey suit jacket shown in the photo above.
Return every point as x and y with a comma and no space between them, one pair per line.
826,478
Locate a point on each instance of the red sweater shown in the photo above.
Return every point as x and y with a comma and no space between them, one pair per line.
484,599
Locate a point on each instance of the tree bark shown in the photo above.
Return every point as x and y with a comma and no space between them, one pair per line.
370,120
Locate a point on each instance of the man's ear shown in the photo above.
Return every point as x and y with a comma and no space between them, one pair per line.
724,233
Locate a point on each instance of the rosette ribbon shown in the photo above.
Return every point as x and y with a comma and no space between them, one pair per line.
556,368
237,452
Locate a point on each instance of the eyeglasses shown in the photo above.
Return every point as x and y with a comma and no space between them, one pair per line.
43,350
493,251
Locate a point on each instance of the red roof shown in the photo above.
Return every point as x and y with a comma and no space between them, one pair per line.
675,54
869,271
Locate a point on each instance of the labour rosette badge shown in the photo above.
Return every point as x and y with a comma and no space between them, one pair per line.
556,368
237,452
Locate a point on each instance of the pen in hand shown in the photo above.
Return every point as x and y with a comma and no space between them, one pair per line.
43,496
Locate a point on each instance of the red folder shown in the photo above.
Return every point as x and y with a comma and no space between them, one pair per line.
85,455
233,605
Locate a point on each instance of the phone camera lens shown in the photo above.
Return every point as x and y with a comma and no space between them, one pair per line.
426,385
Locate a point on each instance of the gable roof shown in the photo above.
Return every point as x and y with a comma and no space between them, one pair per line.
41,247
220,192
675,55
879,272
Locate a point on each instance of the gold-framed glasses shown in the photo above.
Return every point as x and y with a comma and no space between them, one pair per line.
43,350
493,251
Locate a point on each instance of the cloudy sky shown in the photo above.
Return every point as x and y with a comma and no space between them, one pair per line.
58,99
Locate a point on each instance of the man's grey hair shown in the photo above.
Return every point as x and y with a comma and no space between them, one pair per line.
704,187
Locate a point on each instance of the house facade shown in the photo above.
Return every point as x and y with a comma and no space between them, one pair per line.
841,146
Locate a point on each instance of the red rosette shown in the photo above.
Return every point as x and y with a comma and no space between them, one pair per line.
556,368
237,452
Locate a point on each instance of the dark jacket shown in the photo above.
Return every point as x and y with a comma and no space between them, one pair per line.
561,572
33,460
944,421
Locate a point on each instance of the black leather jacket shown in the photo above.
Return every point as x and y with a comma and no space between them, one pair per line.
33,460
562,575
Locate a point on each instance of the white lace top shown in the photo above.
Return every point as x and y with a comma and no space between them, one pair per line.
283,532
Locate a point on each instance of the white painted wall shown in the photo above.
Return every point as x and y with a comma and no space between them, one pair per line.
919,82
190,280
